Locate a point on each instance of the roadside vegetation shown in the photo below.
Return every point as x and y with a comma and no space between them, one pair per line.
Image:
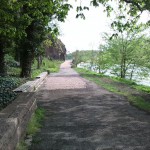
13,80
33,127
137,95
46,65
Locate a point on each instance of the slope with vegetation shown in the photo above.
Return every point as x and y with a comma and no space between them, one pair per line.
137,95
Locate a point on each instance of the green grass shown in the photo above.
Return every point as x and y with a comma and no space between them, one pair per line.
142,88
126,81
14,71
22,146
33,127
111,84
139,102
47,65
35,122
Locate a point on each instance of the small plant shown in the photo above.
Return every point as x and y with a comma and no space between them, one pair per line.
35,122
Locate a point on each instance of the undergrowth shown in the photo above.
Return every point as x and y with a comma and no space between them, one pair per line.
47,65
7,84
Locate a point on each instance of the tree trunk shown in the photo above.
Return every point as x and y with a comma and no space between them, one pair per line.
39,62
131,75
28,51
26,64
123,67
17,55
3,71
99,69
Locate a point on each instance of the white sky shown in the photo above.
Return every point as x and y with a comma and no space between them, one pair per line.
79,34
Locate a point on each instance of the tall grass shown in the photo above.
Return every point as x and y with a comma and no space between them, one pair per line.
47,65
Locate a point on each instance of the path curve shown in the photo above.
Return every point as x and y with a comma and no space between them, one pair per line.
82,116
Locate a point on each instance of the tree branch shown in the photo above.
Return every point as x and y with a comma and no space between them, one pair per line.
134,3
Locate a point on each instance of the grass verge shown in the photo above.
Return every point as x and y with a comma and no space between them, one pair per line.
33,127
47,65
137,95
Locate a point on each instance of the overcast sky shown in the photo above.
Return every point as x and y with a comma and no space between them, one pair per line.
79,34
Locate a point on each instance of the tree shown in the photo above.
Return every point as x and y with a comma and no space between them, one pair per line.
127,53
124,42
41,14
134,9
103,59
76,58
26,23
7,30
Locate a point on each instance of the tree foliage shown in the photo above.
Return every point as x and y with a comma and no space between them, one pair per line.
24,25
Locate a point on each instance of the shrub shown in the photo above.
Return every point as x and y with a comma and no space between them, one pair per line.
10,61
6,90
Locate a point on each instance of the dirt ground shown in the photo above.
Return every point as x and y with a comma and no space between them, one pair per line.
83,116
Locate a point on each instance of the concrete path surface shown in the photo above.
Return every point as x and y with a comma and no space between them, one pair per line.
82,116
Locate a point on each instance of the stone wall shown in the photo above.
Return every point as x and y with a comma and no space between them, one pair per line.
14,119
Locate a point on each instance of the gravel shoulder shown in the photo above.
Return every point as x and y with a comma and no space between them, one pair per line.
83,116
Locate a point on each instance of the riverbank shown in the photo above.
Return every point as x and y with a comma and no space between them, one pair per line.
137,95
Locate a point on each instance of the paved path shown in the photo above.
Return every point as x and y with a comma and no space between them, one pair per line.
82,116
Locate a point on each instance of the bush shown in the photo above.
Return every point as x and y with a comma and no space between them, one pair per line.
6,90
10,61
